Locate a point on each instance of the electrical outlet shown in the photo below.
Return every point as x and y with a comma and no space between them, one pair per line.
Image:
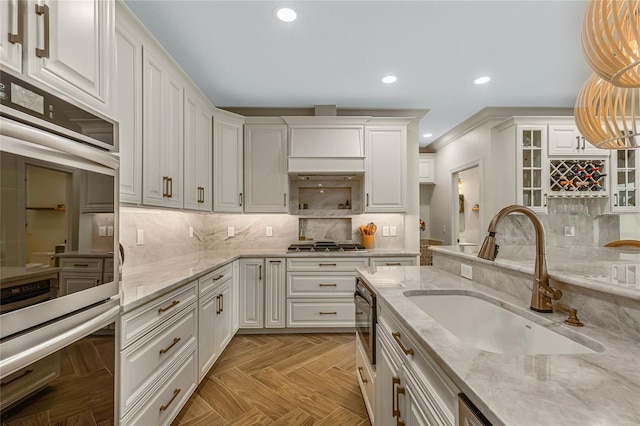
191,232
109,231
102,231
466,271
139,237
230,231
392,231
569,231
385,231
269,231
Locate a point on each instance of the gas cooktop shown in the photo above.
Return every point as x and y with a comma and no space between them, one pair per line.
324,246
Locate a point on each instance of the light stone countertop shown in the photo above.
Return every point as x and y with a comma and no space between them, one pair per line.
143,283
96,253
589,389
612,271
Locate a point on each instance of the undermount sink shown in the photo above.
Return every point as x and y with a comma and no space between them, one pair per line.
492,328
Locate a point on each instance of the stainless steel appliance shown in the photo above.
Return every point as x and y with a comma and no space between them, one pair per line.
365,300
59,191
322,246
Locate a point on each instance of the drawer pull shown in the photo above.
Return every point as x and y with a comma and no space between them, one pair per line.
218,277
361,376
26,373
176,391
406,351
327,264
399,390
80,265
175,340
221,303
218,304
174,303
328,313
394,264
328,285
44,10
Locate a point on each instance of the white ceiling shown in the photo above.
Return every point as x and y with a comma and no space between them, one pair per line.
336,52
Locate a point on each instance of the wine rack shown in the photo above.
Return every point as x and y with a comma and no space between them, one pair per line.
580,178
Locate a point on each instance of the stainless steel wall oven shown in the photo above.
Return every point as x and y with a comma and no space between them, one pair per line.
59,197
365,300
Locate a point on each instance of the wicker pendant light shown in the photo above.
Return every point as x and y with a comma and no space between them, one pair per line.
608,116
611,40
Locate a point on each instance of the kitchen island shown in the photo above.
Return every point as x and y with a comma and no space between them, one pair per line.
600,388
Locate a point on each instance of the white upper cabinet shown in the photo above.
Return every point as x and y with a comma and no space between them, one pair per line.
198,141
228,157
625,166
12,33
427,168
163,145
67,45
532,175
386,176
266,179
128,111
566,140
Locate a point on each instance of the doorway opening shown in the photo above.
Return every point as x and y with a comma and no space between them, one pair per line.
467,217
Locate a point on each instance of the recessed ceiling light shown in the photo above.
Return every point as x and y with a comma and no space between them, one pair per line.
427,135
286,14
389,79
482,80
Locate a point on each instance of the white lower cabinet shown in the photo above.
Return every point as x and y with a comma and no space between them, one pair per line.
252,293
366,380
274,294
215,316
320,291
410,387
393,261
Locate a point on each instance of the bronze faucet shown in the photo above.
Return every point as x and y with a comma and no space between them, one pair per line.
541,293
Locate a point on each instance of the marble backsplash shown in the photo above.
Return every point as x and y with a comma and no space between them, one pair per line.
166,232
615,313
517,230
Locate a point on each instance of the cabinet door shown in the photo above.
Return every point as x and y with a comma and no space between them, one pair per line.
228,157
251,293
12,33
387,382
225,323
163,134
96,193
234,306
565,139
385,180
78,52
266,176
208,313
274,295
427,168
625,166
532,176
74,282
197,153
128,112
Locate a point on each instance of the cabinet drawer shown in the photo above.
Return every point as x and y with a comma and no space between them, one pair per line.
326,264
312,284
431,378
29,379
393,261
142,364
76,264
320,313
366,379
165,403
212,279
140,321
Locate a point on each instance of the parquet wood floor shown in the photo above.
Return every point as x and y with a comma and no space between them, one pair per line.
280,380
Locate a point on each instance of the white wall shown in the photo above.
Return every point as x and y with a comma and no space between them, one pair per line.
475,146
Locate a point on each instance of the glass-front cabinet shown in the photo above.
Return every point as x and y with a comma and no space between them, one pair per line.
624,180
531,184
